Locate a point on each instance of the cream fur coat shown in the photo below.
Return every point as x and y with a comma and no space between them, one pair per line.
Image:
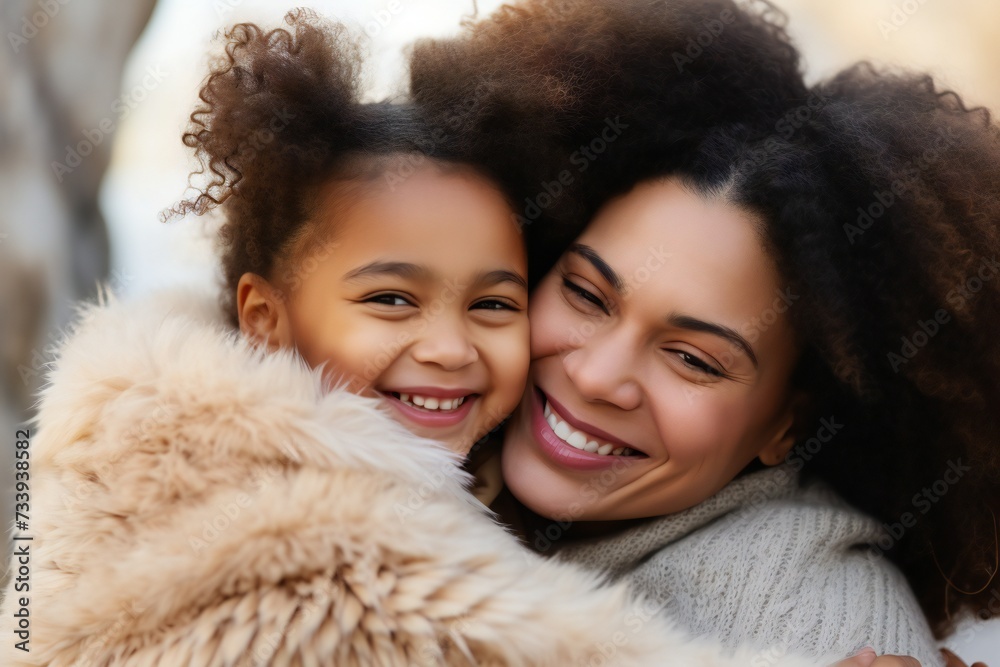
197,502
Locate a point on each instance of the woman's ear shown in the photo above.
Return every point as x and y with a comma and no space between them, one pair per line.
262,312
789,425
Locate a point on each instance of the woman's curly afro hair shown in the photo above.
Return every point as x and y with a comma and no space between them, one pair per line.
880,196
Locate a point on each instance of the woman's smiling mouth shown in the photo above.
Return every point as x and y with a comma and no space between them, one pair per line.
573,444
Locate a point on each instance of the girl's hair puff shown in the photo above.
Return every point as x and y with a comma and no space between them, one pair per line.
280,118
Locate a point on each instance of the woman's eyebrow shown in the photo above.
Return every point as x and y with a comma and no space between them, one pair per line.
694,324
609,274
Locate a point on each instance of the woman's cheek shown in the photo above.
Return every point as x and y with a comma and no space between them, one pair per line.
692,423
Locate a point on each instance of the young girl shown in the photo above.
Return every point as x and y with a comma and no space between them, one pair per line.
203,497
357,236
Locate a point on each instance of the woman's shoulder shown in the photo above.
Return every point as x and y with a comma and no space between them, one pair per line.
804,563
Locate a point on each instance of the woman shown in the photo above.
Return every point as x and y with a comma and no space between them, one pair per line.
793,278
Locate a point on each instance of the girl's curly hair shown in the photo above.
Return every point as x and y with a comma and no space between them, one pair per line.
880,200
280,118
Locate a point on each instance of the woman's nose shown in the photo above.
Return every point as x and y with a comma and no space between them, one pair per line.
445,343
602,369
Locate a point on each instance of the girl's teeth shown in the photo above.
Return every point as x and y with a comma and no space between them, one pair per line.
578,440
431,402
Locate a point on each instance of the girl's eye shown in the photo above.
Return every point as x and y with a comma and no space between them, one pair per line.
494,304
586,295
696,363
388,300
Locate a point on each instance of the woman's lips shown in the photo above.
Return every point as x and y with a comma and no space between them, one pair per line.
432,418
563,454
565,415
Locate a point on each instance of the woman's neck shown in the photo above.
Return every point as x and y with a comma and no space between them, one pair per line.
543,534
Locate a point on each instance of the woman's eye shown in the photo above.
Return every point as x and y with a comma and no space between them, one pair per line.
586,295
698,364
494,304
388,300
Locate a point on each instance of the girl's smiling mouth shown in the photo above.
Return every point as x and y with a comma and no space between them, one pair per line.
431,407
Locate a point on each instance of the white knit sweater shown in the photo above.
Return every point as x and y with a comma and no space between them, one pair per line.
769,564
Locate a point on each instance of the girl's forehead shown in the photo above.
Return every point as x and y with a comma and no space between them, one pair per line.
450,223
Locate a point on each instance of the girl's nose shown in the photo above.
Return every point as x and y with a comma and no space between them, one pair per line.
445,343
602,369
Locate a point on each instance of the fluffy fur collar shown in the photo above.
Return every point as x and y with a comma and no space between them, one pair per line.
198,502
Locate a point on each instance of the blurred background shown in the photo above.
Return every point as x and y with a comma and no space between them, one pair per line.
94,96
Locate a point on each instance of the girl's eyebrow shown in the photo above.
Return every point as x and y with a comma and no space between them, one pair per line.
379,268
694,324
411,271
609,274
490,278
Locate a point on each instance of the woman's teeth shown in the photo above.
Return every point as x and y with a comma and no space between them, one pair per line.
432,402
579,440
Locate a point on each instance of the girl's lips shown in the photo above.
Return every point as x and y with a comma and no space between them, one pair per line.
562,454
428,418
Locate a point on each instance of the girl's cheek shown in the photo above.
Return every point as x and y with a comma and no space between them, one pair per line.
510,363
551,329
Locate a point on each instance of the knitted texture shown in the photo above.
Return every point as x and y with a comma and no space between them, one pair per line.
769,564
